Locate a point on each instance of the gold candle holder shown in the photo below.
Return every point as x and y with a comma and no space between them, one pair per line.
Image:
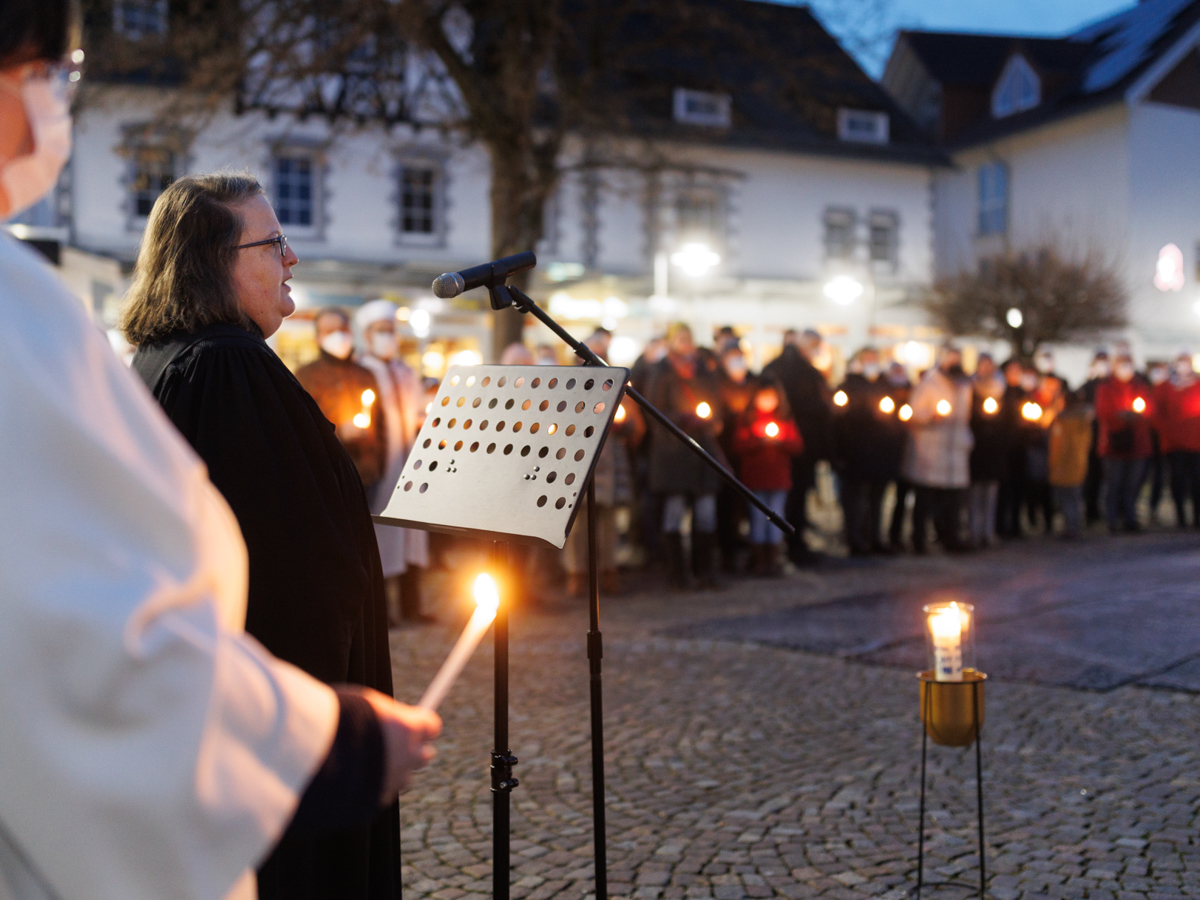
952,711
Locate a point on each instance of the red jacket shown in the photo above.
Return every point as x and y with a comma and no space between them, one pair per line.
764,462
1124,433
1177,416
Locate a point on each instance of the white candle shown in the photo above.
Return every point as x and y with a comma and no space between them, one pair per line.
487,601
946,625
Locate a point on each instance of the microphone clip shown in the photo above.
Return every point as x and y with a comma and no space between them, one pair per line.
503,296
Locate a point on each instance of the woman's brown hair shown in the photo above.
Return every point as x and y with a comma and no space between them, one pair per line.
183,277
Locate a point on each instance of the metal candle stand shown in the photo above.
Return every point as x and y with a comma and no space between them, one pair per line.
495,499
952,715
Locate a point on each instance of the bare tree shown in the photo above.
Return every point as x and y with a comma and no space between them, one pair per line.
1057,300
520,77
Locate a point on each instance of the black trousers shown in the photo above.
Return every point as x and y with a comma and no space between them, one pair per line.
944,506
1185,484
862,503
896,532
804,476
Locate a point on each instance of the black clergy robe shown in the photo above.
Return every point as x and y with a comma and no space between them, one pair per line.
316,596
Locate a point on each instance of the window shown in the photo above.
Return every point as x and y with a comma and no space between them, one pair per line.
839,233
862,126
882,238
703,108
993,198
153,170
136,19
420,201
1017,89
295,190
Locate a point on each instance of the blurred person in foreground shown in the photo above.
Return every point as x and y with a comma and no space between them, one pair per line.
517,354
864,458
1177,417
809,399
347,394
1069,446
1124,406
989,454
209,287
766,440
403,552
938,453
685,394
150,747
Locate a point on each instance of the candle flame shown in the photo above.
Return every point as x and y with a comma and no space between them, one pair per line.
362,420
990,406
948,622
887,405
703,410
943,407
487,598
368,397
840,399
1031,411
620,416
905,413
1139,405
772,430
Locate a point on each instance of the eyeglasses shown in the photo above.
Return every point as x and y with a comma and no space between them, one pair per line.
63,76
281,240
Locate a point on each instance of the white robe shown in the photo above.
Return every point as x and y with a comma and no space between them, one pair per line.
149,748
400,397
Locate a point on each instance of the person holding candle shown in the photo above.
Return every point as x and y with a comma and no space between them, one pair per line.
316,590
1123,409
989,453
348,395
1177,418
1013,481
938,453
766,440
1070,440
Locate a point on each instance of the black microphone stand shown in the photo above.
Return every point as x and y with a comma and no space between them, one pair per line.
502,297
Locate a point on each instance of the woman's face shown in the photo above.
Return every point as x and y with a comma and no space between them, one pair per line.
260,275
766,401
16,139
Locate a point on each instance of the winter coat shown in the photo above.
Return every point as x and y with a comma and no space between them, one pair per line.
989,456
864,432
765,462
1070,441
1177,415
1124,434
808,397
674,468
939,445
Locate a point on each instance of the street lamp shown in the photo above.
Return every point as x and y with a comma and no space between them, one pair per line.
1014,318
843,289
696,258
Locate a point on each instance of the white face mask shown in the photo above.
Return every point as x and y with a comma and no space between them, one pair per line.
383,345
1158,375
1099,369
27,179
1183,369
338,344
1123,371
1029,382
871,371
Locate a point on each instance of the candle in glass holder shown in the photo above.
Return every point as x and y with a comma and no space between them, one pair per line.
949,639
487,601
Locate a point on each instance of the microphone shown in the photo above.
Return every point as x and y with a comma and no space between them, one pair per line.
487,275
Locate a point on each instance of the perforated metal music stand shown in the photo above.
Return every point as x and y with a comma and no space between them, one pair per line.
506,453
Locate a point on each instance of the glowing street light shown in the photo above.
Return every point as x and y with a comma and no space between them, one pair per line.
419,321
696,258
1014,318
843,290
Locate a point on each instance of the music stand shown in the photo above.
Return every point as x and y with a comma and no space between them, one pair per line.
505,454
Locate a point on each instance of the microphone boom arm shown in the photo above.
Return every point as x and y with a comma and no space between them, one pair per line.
504,296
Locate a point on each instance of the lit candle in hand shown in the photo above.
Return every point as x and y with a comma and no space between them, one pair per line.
487,601
1139,405
1031,411
887,405
772,430
703,410
947,626
990,406
943,407
905,413
840,399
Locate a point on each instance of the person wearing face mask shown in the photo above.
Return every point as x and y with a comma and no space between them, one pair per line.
939,450
1013,433
736,389
863,457
150,746
1099,370
348,395
1157,373
899,391
1124,407
404,552
1177,420
316,591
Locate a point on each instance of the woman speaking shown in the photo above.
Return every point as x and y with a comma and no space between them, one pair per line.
210,286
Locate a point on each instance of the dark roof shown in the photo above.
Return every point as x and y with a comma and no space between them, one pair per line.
1080,71
786,76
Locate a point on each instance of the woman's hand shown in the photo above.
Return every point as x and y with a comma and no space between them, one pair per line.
408,733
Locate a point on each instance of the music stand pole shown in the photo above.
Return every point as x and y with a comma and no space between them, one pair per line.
595,649
502,759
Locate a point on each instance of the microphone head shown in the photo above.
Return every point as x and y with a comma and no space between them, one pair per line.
449,285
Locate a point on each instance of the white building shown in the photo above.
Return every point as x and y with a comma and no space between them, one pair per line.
819,217
1086,141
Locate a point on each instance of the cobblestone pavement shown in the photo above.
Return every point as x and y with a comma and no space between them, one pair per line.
738,770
